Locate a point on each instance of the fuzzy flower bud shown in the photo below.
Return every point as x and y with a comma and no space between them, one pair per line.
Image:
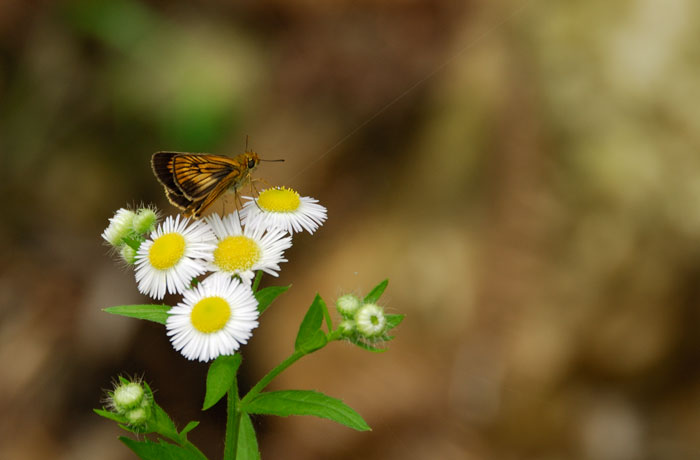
145,221
347,327
138,416
127,396
128,254
370,320
348,305
119,227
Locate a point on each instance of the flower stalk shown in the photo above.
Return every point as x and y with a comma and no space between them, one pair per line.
233,421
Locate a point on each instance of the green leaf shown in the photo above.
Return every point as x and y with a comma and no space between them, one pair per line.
376,293
267,295
362,343
189,427
302,402
149,450
110,415
156,313
393,320
161,423
220,377
310,337
247,443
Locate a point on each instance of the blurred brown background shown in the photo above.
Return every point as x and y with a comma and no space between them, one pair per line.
526,173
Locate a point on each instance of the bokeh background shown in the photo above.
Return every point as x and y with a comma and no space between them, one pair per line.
526,173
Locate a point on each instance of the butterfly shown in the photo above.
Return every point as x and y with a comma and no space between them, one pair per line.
193,181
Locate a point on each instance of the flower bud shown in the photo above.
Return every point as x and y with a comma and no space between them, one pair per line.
127,396
145,221
119,227
370,320
128,254
347,305
347,327
138,416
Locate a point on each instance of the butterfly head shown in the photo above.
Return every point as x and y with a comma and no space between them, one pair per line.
251,160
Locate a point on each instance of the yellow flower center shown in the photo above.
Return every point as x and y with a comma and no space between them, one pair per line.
279,199
210,314
167,251
236,253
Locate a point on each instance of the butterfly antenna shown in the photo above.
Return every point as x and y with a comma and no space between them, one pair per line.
246,142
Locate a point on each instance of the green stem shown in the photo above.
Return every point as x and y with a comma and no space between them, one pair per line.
294,357
256,282
233,421
334,335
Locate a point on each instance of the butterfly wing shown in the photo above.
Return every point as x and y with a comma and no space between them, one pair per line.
162,164
198,207
194,181
197,176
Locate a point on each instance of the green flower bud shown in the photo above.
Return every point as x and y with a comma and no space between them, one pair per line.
127,396
145,221
138,417
347,327
119,227
128,254
347,305
370,320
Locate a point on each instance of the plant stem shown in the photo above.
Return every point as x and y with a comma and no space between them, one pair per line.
294,357
256,282
233,421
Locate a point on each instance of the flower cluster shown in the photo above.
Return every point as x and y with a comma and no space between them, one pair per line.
217,314
131,401
363,321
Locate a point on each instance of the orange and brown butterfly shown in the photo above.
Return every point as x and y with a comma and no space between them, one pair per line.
193,181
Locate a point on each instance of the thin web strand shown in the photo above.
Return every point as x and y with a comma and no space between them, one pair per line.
489,30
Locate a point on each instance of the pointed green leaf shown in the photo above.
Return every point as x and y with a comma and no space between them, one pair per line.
310,337
110,415
377,292
247,442
268,295
149,450
156,313
302,402
161,423
393,320
221,373
189,427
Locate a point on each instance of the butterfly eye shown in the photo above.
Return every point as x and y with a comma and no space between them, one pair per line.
251,163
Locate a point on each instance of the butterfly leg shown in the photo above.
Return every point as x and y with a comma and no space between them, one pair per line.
255,197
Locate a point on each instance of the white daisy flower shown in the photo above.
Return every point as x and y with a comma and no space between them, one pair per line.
282,207
243,251
213,319
174,254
